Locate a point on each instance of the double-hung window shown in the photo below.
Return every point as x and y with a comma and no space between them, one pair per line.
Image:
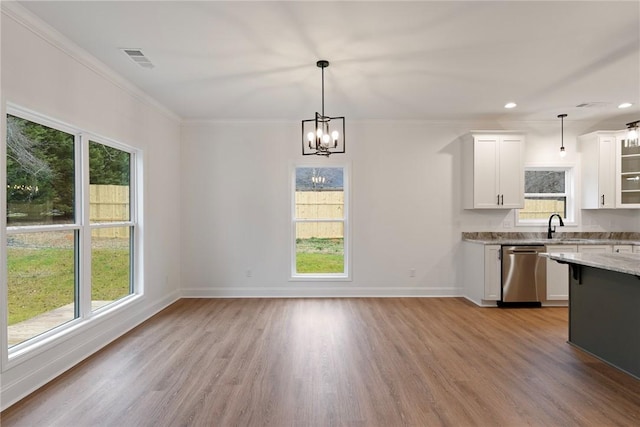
548,190
71,226
320,226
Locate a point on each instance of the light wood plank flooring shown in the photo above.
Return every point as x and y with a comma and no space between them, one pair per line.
338,362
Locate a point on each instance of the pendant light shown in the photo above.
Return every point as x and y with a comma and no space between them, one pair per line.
563,152
632,134
323,135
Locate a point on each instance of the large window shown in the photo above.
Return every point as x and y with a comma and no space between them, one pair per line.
320,226
548,191
71,225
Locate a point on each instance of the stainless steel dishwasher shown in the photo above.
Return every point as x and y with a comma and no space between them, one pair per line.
524,276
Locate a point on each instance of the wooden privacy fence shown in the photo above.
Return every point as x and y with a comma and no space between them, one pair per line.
109,203
541,208
320,205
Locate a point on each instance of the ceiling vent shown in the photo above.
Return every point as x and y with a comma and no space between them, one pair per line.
598,104
138,57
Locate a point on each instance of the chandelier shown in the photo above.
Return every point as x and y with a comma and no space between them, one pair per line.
317,180
323,135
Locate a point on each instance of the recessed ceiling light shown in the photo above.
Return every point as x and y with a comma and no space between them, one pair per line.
510,105
625,105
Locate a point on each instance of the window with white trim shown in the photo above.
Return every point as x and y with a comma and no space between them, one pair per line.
320,222
71,226
548,190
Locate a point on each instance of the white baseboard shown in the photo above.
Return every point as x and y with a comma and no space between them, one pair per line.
79,348
319,292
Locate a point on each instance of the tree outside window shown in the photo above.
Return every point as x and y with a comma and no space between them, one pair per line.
50,246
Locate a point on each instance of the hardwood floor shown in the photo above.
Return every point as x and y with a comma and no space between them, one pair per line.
338,362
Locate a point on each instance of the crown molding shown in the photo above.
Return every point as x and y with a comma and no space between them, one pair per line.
11,9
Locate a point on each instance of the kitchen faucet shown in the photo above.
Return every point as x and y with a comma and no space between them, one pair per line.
549,230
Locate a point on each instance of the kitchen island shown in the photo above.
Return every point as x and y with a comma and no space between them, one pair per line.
604,306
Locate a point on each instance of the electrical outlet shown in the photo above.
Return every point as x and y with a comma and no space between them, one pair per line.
507,224
412,272
249,273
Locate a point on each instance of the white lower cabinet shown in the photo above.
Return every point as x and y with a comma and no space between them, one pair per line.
482,273
558,274
595,248
492,273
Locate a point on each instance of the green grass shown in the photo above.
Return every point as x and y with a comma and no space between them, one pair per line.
319,263
317,255
41,280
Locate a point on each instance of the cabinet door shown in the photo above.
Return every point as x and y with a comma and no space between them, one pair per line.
627,172
598,152
558,274
623,249
606,172
595,248
485,177
492,273
636,249
511,172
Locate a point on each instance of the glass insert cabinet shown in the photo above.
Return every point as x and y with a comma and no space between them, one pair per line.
629,172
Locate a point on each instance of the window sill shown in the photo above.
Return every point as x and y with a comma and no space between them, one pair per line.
46,341
320,278
545,224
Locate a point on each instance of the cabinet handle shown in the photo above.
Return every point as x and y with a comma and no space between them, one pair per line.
502,199
603,200
498,201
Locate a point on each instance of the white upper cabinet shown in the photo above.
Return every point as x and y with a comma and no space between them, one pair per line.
494,171
610,171
598,170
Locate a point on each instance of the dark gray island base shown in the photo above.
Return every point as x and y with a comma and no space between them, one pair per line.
604,306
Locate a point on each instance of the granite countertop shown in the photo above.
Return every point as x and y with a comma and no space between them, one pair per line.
577,238
622,263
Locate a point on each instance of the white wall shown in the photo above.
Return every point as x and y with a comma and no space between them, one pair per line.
406,205
239,211
226,209
43,73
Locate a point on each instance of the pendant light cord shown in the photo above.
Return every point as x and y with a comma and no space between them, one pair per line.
561,117
322,91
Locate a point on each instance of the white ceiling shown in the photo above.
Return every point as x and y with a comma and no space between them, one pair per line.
444,60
